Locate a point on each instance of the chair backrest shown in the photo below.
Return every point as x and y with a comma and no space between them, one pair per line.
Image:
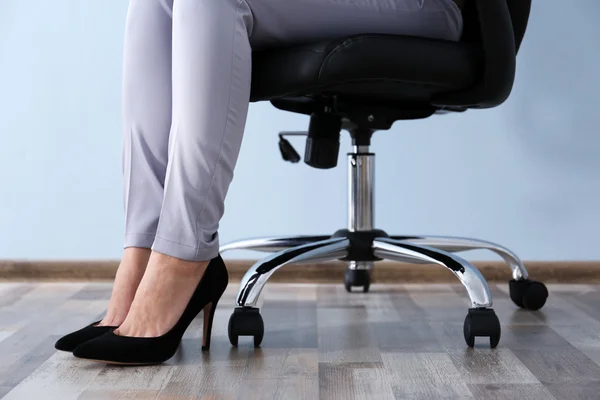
498,26
519,14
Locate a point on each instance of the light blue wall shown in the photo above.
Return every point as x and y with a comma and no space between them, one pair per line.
526,175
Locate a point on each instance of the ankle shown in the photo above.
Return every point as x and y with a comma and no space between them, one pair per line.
177,265
132,268
136,256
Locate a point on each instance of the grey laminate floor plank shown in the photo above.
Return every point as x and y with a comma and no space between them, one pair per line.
60,377
31,319
4,390
194,373
444,315
398,323
130,379
424,376
593,354
31,301
439,303
560,366
10,293
491,366
576,326
349,381
292,323
397,342
343,338
509,391
277,373
5,334
581,390
566,373
588,302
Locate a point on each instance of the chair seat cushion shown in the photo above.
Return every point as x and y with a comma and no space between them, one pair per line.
384,67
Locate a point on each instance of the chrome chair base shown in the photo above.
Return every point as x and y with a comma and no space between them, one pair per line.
362,250
409,249
362,246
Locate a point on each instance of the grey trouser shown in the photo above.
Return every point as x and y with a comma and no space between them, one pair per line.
186,86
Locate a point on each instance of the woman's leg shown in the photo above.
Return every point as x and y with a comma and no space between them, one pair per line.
147,120
211,89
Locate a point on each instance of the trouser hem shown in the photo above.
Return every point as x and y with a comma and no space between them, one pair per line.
185,252
142,240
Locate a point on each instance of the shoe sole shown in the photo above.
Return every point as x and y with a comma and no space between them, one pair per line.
120,363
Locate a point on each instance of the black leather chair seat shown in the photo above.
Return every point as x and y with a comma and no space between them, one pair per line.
386,68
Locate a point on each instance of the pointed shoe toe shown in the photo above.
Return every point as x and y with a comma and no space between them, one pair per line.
123,350
72,340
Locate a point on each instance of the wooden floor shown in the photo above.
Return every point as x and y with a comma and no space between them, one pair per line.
400,341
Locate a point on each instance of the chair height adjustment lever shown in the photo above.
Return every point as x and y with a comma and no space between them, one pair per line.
288,152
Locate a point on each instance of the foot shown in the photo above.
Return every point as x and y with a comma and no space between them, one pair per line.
162,296
130,273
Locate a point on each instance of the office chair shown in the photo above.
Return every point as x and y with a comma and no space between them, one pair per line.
365,83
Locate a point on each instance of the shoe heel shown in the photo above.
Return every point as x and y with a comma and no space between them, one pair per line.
209,314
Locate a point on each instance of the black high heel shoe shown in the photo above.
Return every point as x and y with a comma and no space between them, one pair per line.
72,340
114,349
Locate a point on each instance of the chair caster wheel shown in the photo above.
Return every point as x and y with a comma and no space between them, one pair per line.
357,277
528,294
246,321
482,322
